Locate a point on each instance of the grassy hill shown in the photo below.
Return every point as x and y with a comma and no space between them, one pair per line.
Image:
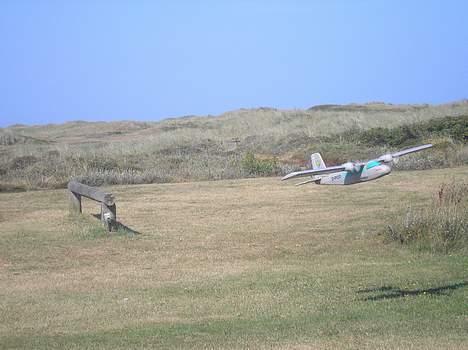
199,148
252,263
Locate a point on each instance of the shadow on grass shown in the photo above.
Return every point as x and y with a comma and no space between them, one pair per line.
122,228
119,227
389,292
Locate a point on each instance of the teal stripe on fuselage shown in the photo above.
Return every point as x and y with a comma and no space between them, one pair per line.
372,164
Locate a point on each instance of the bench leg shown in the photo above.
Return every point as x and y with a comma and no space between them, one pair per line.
109,216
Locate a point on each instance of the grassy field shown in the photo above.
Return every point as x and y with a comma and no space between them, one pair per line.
254,263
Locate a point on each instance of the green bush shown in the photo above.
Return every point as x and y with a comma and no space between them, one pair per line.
259,167
441,227
455,128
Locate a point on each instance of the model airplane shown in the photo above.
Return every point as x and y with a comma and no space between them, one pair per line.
351,172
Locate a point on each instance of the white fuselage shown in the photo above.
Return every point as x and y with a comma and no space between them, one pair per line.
368,172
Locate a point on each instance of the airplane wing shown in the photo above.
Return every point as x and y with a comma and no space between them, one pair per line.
311,172
410,150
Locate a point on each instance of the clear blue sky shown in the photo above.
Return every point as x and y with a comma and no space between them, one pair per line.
147,60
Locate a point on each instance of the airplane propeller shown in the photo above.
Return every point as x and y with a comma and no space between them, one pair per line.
393,157
386,158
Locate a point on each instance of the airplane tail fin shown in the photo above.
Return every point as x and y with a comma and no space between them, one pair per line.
317,161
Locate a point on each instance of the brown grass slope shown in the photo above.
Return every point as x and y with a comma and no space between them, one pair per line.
244,123
189,148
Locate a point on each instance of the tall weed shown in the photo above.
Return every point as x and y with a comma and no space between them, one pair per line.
440,227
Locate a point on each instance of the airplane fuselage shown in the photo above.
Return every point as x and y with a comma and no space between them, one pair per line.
351,172
371,171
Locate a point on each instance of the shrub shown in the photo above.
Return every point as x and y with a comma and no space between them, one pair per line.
441,227
8,139
254,166
455,128
22,162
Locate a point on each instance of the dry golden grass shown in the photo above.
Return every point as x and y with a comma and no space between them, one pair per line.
253,263
202,148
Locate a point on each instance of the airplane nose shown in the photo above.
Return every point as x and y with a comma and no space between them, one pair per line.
386,169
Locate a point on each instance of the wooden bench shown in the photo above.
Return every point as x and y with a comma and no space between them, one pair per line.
107,200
